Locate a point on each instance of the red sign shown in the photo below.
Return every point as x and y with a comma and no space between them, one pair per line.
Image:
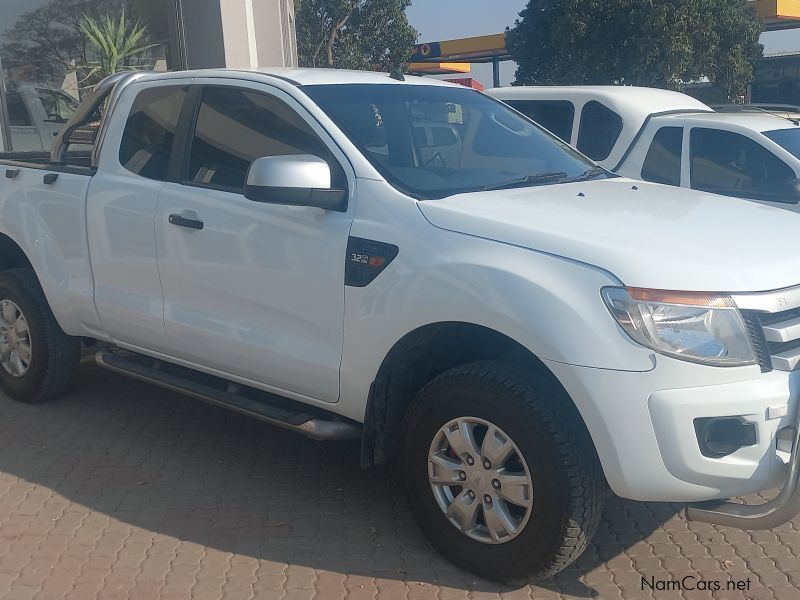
468,82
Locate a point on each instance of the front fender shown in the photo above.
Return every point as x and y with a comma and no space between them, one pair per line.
549,305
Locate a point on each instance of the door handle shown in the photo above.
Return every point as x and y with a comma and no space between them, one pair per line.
181,221
12,173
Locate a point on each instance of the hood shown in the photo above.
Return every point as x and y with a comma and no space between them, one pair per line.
647,235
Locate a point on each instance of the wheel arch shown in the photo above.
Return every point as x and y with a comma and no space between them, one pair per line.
416,359
12,256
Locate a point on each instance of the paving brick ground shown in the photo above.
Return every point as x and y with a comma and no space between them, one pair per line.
125,491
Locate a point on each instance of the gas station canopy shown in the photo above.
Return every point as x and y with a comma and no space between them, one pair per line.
484,48
779,14
455,56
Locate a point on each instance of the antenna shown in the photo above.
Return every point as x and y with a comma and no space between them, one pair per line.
753,108
777,114
397,73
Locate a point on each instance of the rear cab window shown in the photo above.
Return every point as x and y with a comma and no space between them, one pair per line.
557,116
599,131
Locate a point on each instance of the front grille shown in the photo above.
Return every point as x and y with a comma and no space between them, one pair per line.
754,328
775,337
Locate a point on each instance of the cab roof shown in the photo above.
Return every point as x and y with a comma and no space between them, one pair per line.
757,121
304,76
631,102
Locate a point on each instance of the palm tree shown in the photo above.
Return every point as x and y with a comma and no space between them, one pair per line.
117,46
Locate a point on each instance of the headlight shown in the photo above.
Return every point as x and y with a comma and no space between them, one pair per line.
701,328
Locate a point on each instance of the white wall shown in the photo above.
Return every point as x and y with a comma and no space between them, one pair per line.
240,34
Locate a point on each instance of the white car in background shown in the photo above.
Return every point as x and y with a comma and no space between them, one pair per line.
36,114
671,138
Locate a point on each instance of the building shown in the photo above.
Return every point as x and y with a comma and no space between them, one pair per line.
777,79
47,60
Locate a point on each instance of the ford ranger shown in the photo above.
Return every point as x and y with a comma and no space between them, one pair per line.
416,265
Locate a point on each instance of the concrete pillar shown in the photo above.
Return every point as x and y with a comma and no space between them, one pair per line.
238,34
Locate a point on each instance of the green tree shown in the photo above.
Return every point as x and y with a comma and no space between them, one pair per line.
354,34
656,43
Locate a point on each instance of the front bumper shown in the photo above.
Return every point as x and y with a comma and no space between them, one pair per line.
643,427
784,507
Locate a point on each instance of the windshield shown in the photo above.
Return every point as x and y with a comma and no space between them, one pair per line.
788,139
435,141
57,105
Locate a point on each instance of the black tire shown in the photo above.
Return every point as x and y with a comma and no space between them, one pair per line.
569,489
55,356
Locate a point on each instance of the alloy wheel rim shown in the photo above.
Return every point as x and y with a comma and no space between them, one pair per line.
480,480
15,339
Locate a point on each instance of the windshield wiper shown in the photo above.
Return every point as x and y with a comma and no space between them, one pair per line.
534,179
589,174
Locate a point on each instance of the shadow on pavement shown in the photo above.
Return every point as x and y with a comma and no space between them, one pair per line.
175,466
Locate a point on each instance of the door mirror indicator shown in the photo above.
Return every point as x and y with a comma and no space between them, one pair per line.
294,180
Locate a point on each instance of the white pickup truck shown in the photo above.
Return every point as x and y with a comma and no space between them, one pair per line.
671,138
520,328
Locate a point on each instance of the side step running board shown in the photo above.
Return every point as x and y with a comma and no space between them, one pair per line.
289,414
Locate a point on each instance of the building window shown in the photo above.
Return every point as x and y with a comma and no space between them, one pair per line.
50,57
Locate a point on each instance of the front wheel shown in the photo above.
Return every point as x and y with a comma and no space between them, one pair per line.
500,472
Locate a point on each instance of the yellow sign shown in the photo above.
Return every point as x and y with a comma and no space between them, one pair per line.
778,9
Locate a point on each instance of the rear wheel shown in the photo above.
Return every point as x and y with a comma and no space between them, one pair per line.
500,472
38,361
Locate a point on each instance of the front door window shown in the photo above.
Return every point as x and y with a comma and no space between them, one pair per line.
728,163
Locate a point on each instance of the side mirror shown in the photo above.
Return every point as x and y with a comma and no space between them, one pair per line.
792,192
294,180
